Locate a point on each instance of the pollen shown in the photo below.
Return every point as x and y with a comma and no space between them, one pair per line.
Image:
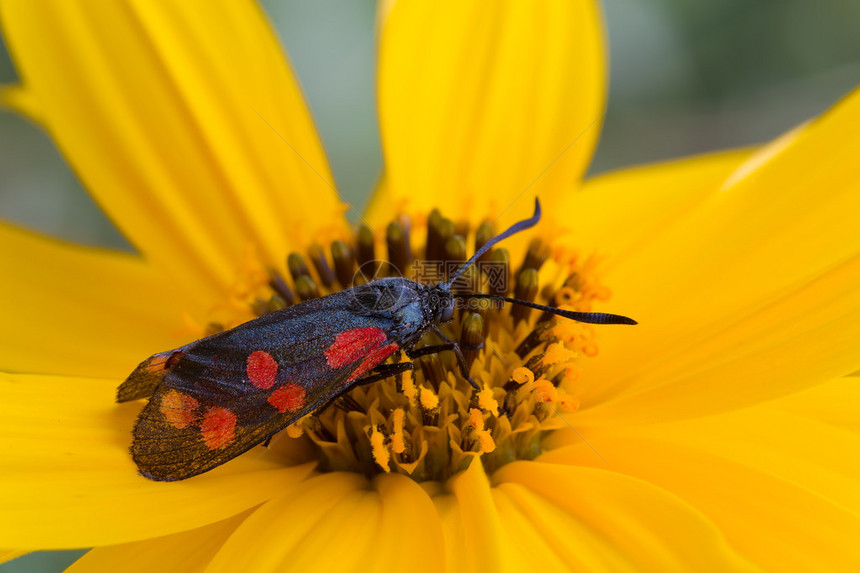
545,390
427,423
557,352
486,401
483,437
398,443
408,385
381,455
522,375
429,400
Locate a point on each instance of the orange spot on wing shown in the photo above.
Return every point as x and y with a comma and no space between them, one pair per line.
178,409
262,369
353,345
156,363
218,427
291,397
163,361
375,357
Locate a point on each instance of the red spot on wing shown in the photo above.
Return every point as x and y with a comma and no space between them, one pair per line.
353,345
291,397
262,369
179,409
375,357
218,427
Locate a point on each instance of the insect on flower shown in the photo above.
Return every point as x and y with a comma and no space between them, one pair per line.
215,398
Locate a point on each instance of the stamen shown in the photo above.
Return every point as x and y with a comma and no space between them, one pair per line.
471,337
434,242
398,444
445,231
381,455
483,234
297,266
214,328
408,386
432,370
486,401
276,302
522,375
566,295
526,289
535,338
307,288
398,248
556,352
453,256
429,400
279,285
536,255
455,250
568,401
295,430
344,263
349,404
258,307
365,252
500,260
482,436
545,390
317,256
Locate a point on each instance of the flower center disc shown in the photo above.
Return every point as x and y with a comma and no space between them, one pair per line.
429,423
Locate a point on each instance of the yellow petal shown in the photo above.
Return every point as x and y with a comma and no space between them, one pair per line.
798,340
185,123
184,552
758,474
335,522
759,275
398,545
17,99
599,520
474,535
67,480
10,554
834,402
483,105
77,310
280,536
617,212
527,537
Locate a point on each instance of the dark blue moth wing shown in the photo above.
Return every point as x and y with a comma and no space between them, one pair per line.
215,398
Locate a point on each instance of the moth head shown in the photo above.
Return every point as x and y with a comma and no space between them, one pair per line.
440,302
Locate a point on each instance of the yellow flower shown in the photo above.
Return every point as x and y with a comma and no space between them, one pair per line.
717,435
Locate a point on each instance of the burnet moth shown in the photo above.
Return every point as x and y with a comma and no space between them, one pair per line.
215,398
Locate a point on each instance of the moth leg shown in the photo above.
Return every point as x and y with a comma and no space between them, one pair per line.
383,371
462,347
461,360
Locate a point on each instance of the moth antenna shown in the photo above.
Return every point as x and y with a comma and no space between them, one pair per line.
589,317
512,230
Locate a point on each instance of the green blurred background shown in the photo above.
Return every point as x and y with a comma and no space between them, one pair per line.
686,77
